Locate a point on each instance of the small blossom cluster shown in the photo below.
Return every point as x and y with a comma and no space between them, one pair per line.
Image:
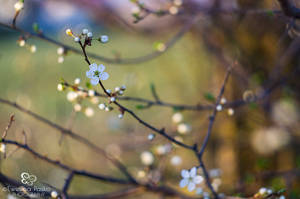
118,91
174,8
219,107
61,52
22,43
86,36
267,193
182,128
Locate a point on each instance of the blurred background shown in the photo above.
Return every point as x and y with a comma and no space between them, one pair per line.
256,146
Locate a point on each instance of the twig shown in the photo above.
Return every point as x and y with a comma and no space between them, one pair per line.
73,135
68,168
289,9
199,153
67,185
11,120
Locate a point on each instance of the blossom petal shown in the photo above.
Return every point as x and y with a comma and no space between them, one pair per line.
104,76
101,68
191,186
93,67
193,172
94,81
89,74
197,179
184,182
185,173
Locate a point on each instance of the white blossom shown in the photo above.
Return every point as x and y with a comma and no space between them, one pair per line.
60,51
77,107
85,31
190,179
176,160
104,38
77,81
147,158
2,148
60,87
97,73
89,112
151,136
89,34
19,6
219,107
33,48
71,96
183,128
76,39
120,116
101,106
60,59
177,118
54,194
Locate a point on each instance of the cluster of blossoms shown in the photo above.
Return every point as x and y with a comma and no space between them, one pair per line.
194,181
22,43
182,128
78,94
219,107
87,36
113,96
61,51
264,193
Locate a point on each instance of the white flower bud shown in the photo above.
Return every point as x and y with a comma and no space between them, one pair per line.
117,89
60,51
89,112
230,111
60,87
176,160
108,91
120,116
77,81
123,87
71,96
151,136
223,100
77,107
85,31
101,106
219,107
104,38
22,43
262,191
177,117
54,194
76,39
112,99
33,48
19,6
91,93
147,158
60,59
89,34
3,148
183,128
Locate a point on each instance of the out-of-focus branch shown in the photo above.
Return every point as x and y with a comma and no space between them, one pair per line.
66,167
289,9
136,60
73,135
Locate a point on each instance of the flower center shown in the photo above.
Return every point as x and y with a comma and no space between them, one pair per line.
96,73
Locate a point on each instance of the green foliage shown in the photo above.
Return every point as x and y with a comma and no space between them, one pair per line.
209,97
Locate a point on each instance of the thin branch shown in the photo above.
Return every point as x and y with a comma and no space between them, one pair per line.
289,9
67,185
11,120
199,153
73,135
66,167
136,60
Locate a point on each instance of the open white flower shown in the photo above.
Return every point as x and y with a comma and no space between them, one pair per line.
190,179
97,73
